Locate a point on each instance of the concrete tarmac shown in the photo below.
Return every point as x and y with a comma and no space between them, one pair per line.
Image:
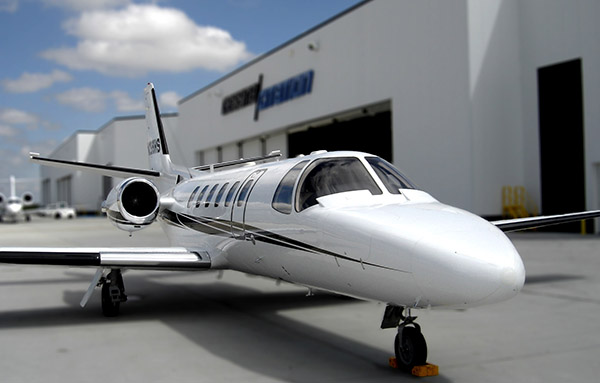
230,327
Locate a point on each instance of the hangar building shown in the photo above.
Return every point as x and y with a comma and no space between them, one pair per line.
464,96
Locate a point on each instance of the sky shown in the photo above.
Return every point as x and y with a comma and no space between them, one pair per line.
69,65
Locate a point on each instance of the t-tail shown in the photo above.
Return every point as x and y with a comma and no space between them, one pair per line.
162,171
158,149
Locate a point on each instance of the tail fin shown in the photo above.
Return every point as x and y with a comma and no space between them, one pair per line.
13,187
158,150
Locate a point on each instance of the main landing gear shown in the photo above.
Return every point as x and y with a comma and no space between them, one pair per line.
410,346
113,293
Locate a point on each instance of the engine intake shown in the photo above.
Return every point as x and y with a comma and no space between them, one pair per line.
133,204
27,198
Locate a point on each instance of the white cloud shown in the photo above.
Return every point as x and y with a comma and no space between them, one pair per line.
83,5
7,131
96,100
141,38
32,82
87,99
124,103
169,99
12,116
9,6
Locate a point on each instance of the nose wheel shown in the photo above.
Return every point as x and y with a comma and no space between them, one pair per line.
409,345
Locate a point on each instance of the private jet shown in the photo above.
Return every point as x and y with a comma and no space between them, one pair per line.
345,222
11,208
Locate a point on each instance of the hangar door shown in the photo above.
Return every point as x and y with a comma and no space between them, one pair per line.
371,133
562,160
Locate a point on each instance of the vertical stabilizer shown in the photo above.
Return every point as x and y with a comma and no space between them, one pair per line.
158,150
13,187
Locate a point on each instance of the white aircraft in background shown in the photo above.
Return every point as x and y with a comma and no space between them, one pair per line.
345,222
11,208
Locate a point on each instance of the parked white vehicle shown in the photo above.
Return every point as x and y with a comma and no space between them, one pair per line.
58,210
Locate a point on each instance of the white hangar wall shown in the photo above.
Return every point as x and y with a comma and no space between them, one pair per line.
552,32
412,55
121,142
73,187
459,81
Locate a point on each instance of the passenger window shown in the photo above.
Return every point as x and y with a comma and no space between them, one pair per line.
220,194
192,197
210,195
201,196
282,199
330,176
244,193
231,193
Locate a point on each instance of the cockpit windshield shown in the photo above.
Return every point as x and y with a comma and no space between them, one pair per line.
330,176
389,175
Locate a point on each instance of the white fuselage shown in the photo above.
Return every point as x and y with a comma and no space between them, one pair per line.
405,249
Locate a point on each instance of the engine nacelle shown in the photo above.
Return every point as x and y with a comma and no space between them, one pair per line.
2,199
27,199
133,204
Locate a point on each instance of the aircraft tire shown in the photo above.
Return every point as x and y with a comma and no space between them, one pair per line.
413,350
109,308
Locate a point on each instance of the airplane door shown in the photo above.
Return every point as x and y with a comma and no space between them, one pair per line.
238,211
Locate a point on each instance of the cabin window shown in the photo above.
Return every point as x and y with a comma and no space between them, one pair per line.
220,194
330,176
210,195
202,193
244,193
389,175
192,197
282,199
231,193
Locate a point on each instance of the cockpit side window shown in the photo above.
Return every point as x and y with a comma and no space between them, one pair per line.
389,175
330,176
282,199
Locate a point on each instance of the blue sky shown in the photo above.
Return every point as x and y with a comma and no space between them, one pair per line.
69,65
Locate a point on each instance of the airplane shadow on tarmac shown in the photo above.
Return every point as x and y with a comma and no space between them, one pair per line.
236,323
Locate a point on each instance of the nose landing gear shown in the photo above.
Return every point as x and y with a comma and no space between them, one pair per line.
409,345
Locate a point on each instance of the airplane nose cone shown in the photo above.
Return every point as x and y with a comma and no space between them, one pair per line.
465,261
13,209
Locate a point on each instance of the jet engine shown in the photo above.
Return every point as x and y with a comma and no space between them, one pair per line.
2,199
133,204
27,199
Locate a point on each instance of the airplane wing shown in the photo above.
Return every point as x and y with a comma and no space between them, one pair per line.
154,258
508,225
111,171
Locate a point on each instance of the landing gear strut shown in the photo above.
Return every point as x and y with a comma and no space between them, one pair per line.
113,293
409,344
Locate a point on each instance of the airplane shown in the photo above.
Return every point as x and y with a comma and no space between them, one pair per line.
345,222
11,208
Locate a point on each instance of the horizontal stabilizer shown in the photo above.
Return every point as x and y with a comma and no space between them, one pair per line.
517,224
168,258
106,170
